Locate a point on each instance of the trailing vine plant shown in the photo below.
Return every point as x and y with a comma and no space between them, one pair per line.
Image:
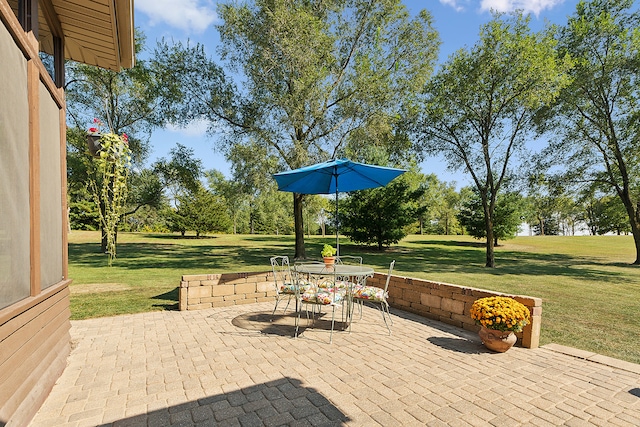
112,167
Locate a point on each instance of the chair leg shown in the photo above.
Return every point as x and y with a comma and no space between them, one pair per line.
287,306
275,308
297,323
333,318
386,304
383,312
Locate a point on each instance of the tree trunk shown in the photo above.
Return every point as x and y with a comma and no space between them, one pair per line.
298,226
541,224
103,240
488,223
634,220
491,262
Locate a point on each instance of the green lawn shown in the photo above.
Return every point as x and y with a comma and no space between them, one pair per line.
590,292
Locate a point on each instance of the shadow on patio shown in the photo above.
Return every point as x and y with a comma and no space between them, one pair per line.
279,402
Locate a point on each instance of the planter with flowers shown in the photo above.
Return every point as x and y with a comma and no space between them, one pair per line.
94,136
328,255
499,318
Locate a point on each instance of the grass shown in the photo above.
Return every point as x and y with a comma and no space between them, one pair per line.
590,290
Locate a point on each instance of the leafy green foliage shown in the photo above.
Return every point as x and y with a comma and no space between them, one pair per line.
609,216
312,73
83,215
133,101
200,211
480,106
596,118
380,216
546,226
440,202
179,175
506,220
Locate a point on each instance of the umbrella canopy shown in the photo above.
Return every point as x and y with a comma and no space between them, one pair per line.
334,176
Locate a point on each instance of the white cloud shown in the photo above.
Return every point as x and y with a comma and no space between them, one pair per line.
188,15
533,6
196,128
453,3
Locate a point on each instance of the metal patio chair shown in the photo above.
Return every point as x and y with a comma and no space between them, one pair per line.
284,282
374,295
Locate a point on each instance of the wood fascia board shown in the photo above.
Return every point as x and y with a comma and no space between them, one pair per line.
124,30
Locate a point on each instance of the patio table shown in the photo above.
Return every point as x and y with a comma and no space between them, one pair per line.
353,275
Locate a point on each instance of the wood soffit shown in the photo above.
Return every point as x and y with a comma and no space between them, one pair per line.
95,32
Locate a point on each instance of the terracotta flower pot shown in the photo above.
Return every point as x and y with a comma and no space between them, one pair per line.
329,261
498,341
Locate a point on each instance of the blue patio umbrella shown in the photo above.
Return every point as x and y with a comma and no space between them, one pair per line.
334,176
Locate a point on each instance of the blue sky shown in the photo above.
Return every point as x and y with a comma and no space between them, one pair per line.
457,21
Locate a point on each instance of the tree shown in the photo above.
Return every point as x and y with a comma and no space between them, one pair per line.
597,115
380,216
273,212
200,211
311,73
550,227
83,215
230,191
606,214
145,190
507,219
542,201
252,168
479,107
314,209
445,210
133,101
180,175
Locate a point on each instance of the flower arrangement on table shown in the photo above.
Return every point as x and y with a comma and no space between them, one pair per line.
500,313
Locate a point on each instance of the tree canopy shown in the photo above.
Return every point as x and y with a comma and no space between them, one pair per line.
311,73
595,121
479,106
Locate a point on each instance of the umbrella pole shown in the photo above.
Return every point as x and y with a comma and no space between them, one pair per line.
337,222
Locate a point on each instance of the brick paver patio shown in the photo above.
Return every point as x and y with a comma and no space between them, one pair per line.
231,366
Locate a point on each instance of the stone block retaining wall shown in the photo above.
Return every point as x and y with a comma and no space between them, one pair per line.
438,301
452,303
220,290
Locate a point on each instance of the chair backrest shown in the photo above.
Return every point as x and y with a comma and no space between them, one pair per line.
349,259
386,285
281,271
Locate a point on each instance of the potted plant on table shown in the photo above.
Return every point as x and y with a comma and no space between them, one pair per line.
328,254
499,317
